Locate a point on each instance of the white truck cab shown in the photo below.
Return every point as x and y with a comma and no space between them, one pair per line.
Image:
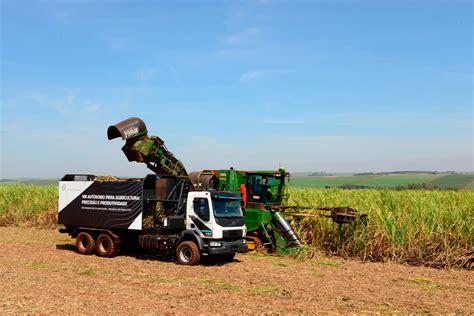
218,219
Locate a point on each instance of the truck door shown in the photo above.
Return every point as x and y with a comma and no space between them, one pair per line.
201,217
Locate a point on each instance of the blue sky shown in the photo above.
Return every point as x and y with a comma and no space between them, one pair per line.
335,86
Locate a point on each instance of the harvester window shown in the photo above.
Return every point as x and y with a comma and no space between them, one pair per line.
201,208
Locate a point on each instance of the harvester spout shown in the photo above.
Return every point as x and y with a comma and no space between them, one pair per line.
127,129
286,228
150,150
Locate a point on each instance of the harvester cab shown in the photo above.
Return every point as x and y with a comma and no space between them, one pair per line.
267,187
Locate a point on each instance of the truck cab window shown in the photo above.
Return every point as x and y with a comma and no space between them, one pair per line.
201,208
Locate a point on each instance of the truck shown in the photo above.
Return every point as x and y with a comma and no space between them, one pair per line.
160,212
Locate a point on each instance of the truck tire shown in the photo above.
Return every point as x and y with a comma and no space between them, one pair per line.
106,246
188,253
85,243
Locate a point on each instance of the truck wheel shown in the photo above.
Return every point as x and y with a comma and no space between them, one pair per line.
188,253
85,243
105,246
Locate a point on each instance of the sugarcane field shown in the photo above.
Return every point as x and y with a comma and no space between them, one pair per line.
258,157
292,245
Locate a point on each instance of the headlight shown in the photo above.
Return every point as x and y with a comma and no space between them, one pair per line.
215,244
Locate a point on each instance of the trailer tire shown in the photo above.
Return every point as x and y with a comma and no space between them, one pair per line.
106,246
85,243
188,253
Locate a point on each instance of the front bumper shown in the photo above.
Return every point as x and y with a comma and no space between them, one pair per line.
228,247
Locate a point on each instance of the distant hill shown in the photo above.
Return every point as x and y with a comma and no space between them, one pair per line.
319,174
402,172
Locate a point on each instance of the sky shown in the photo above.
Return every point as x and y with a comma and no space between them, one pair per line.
328,86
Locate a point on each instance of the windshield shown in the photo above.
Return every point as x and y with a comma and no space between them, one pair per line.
227,208
266,188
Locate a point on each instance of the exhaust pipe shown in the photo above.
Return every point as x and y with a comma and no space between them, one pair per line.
285,226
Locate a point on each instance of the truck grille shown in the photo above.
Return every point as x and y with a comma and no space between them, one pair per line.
234,234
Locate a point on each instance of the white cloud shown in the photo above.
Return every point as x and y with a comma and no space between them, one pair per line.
174,74
251,75
380,120
146,74
93,106
60,16
62,104
67,104
243,36
118,42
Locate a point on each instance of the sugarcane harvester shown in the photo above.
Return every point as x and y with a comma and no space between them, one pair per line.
264,193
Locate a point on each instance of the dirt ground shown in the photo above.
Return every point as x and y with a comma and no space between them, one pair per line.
41,273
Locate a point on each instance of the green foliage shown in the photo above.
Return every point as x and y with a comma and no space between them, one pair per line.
321,182
433,228
28,205
222,284
426,283
39,265
470,186
328,264
266,290
453,181
88,271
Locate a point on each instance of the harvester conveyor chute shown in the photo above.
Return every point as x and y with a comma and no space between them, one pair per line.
150,150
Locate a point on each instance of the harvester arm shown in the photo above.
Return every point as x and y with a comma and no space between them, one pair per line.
150,150
340,215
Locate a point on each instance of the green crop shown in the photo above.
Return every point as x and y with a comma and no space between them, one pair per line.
29,205
433,228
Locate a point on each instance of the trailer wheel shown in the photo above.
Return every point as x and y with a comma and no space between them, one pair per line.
188,253
85,243
106,246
